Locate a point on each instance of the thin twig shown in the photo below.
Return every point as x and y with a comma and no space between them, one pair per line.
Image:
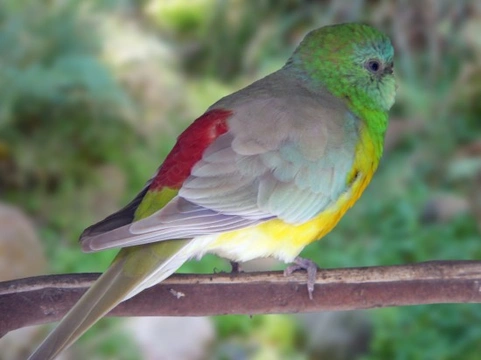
45,299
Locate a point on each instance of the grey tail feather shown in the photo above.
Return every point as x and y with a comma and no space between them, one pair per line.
120,218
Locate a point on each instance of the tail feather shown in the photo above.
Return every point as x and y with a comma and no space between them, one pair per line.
133,270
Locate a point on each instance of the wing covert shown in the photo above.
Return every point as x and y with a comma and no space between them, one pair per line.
283,155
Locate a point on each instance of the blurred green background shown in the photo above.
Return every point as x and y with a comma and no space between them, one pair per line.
93,94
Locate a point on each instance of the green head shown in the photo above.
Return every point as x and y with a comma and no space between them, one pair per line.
353,61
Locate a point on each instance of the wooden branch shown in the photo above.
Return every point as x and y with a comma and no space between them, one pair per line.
46,299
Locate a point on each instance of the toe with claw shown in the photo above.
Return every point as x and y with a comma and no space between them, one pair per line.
235,267
307,265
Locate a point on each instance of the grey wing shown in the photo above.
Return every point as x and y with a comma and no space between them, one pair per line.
276,160
292,167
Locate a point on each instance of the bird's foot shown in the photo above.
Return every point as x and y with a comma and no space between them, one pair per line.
235,267
307,265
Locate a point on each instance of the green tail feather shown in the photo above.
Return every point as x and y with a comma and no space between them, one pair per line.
132,270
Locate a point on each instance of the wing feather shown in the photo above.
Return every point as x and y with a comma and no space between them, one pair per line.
285,155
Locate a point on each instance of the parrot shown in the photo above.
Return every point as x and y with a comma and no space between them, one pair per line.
264,172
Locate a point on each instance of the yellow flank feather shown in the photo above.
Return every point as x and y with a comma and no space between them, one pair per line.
285,241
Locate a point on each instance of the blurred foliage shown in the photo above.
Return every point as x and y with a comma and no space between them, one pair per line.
75,143
55,91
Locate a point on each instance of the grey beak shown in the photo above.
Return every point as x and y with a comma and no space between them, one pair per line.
389,69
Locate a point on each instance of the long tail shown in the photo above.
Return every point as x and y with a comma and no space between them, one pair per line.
133,270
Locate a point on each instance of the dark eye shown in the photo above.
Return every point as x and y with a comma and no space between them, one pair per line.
373,66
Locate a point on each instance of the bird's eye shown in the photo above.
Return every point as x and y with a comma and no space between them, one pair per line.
373,66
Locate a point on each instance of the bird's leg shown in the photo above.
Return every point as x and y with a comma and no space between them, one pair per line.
235,267
307,265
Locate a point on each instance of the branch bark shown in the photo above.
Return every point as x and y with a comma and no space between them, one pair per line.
46,299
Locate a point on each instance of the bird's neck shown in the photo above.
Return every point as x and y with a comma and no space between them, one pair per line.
375,120
358,102
375,124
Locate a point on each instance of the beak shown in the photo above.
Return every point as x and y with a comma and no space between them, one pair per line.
389,69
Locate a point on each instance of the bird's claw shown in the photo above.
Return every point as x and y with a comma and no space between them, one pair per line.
235,267
309,266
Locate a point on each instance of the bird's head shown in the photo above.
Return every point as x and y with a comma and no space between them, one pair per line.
353,61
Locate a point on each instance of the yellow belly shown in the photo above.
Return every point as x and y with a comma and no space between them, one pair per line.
279,239
285,241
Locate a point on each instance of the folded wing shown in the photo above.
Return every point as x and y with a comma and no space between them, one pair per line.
282,157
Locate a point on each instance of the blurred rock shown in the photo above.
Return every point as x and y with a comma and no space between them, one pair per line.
20,343
21,255
172,338
443,208
337,335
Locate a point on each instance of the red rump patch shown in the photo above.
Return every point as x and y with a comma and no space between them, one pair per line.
189,148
